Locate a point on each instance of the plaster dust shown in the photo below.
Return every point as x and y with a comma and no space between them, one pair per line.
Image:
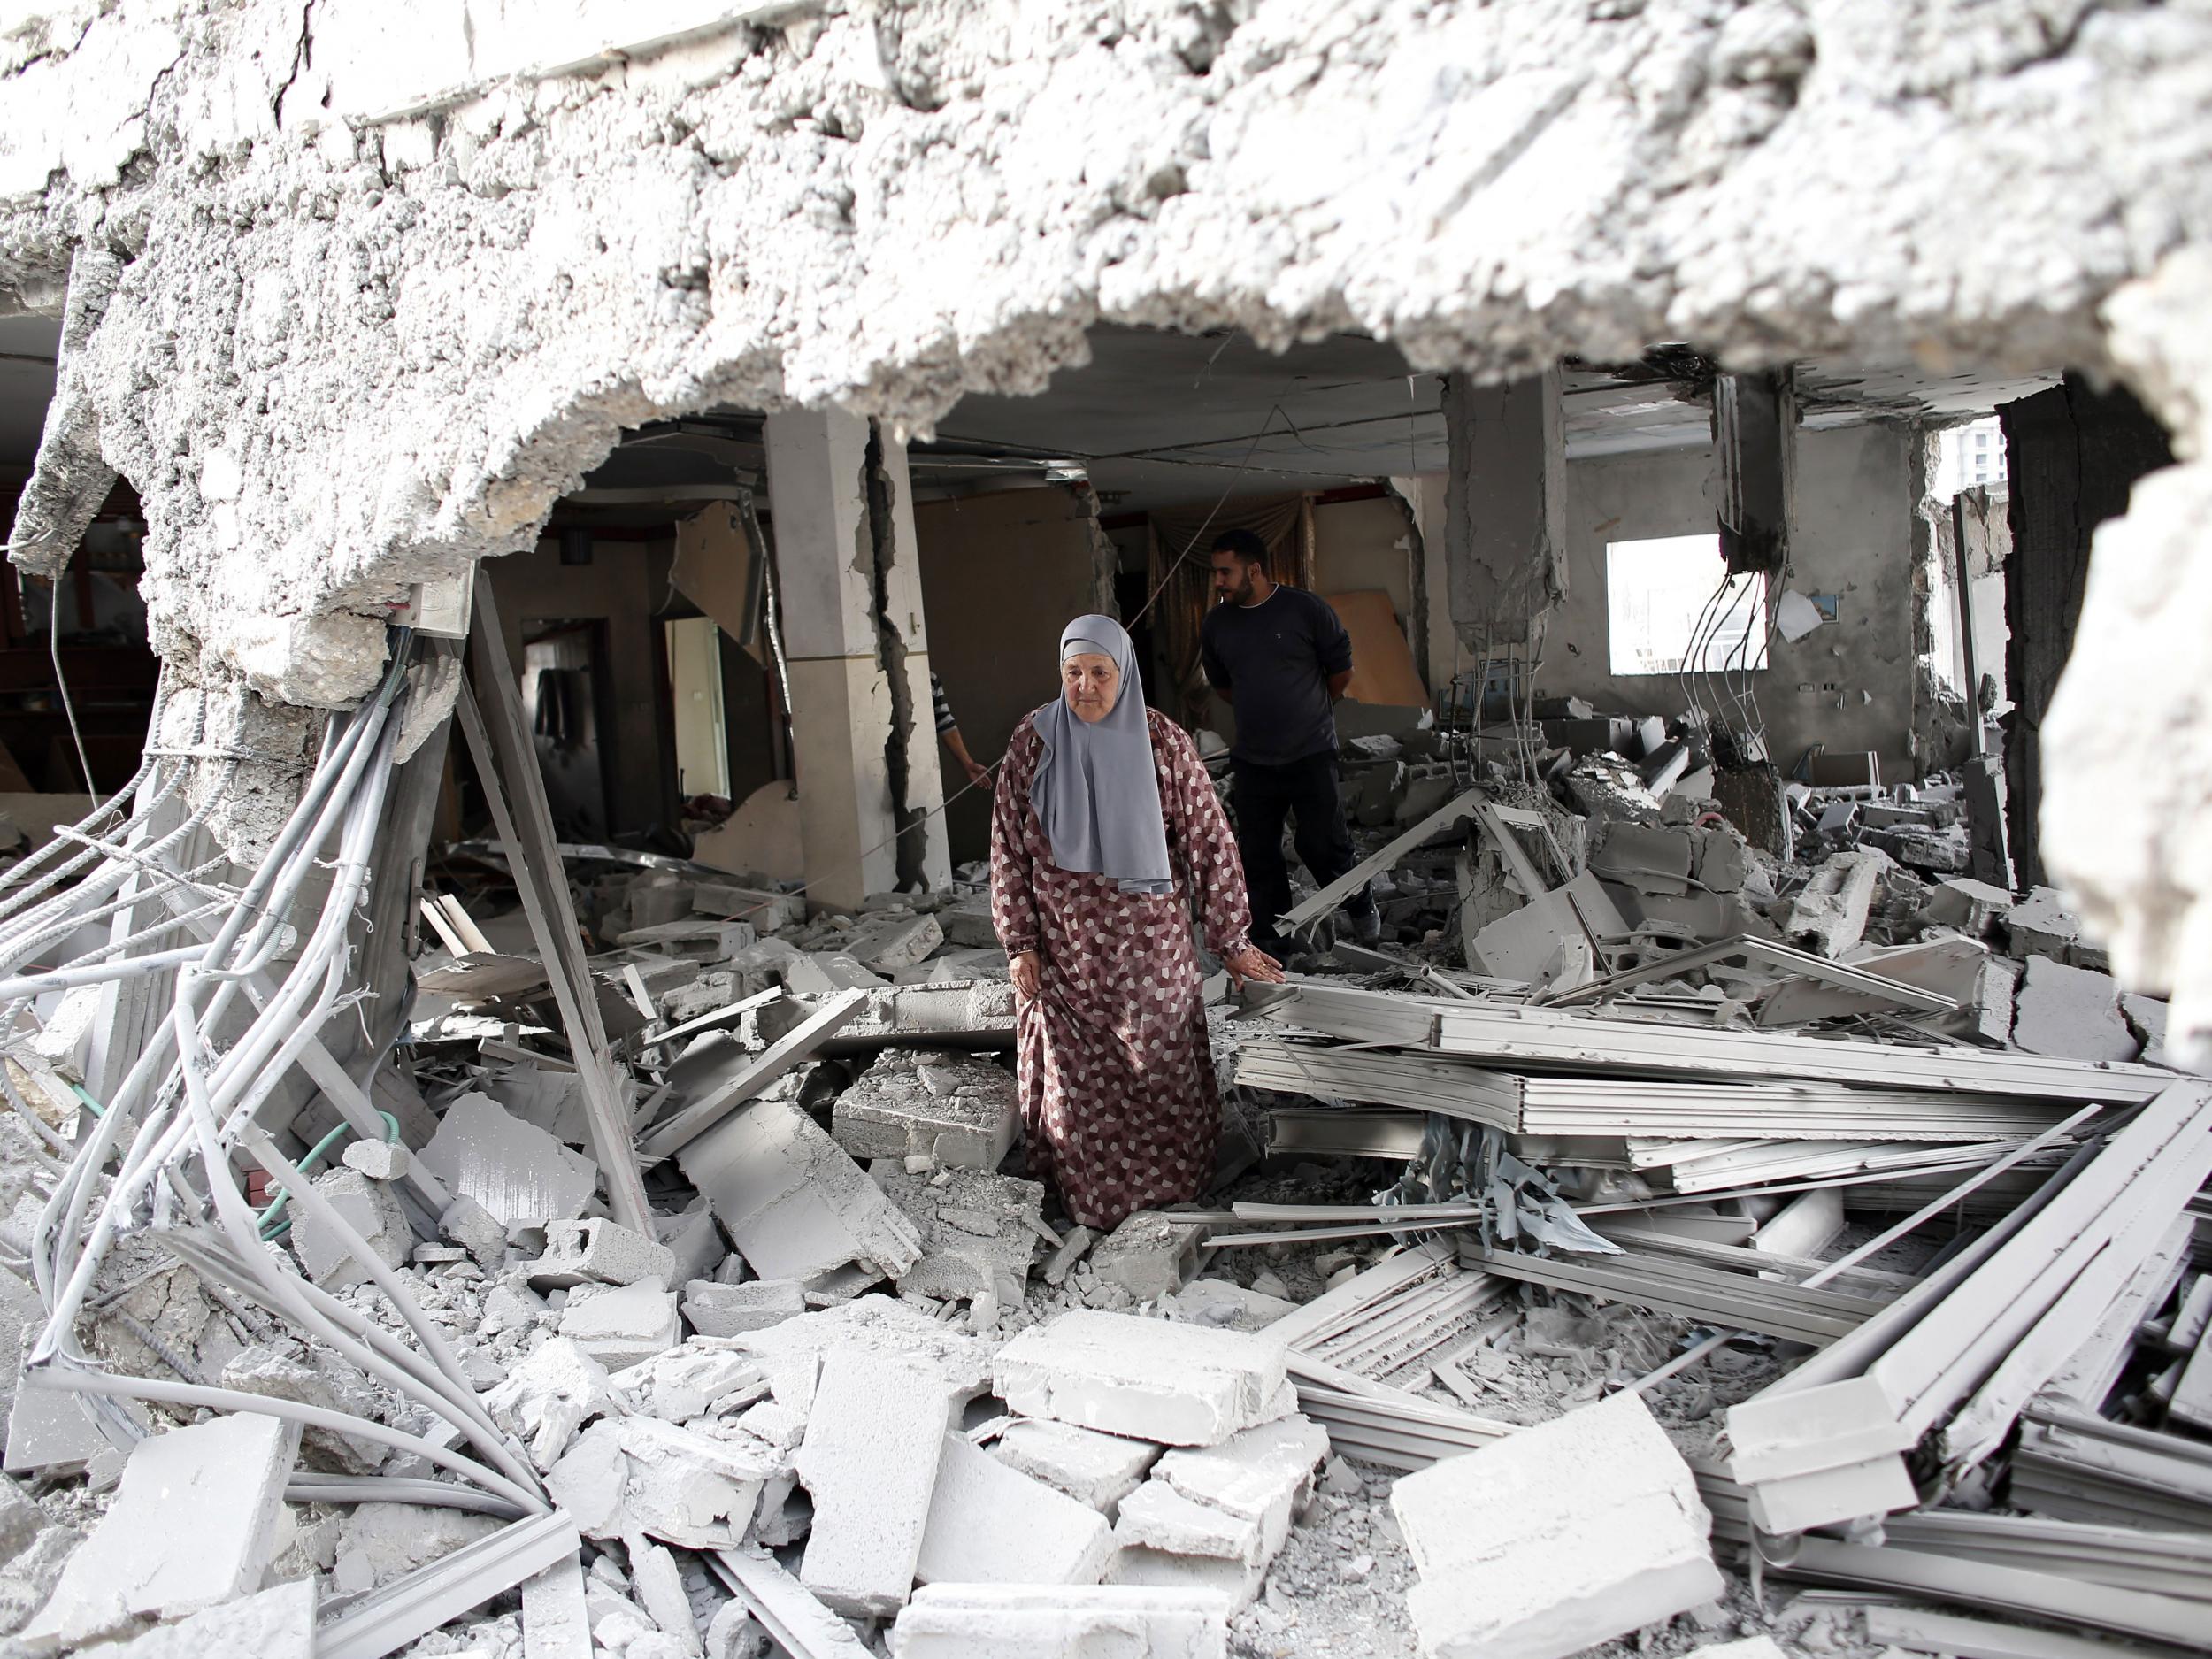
363,285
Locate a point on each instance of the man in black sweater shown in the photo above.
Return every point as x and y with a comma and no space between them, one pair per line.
1282,658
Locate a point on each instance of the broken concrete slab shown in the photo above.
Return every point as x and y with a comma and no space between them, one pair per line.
2072,1012
552,1393
518,1171
620,1326
690,1382
792,1201
1723,859
1829,914
874,1439
1261,1473
826,973
1646,858
1220,1302
194,1524
978,1231
659,1584
979,1015
961,1621
991,1524
1970,906
276,1623
694,1242
1557,1537
1095,1469
1074,1244
968,923
370,1208
960,1363
1151,1255
716,1310
1181,1385
957,1109
598,1251
328,1383
894,940
48,1430
378,1160
767,911
1157,1518
695,1490
2042,926
380,1543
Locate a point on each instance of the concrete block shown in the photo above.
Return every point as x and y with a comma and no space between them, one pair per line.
194,1524
1233,1581
1556,1538
964,1621
978,1231
1839,1423
619,1327
2041,926
330,1383
826,973
990,1524
1150,1255
960,1111
2070,1013
1099,1469
1181,1385
642,1475
874,1439
685,1383
1829,914
767,911
277,1623
1823,1497
714,1309
792,1201
515,1169
478,1233
894,940
379,1543
969,923
598,1251
378,1160
1261,1473
1724,860
694,1242
1156,1516
370,1208
660,1592
1650,859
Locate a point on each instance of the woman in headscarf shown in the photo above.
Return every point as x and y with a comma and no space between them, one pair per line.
1105,828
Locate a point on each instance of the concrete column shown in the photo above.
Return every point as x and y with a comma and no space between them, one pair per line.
2073,455
1755,459
868,785
1505,506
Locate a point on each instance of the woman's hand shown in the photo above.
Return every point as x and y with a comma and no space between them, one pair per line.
1028,973
1254,965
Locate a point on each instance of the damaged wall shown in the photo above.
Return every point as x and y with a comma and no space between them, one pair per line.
1852,536
385,278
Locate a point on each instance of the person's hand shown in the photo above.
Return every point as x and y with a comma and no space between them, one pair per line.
976,770
1254,965
1028,973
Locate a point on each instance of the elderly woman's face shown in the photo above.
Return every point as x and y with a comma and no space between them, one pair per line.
1092,685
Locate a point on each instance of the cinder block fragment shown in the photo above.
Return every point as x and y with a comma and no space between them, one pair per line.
1564,1535
1158,1517
1099,1469
960,1111
620,1328
894,940
597,1251
873,1443
378,1160
794,1204
990,1524
1181,1385
194,1524
990,1621
370,1208
716,1310
1772,1436
1823,1497
1150,1255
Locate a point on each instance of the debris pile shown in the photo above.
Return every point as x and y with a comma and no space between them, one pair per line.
1654,1237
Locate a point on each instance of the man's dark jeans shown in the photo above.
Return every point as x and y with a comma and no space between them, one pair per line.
1304,791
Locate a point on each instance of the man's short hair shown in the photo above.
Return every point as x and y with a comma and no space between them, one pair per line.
1246,544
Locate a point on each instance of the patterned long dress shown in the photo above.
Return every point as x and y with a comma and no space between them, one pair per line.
1117,1079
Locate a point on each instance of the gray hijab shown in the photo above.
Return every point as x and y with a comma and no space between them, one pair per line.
1095,792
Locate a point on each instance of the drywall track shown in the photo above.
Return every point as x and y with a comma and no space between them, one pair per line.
364,285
